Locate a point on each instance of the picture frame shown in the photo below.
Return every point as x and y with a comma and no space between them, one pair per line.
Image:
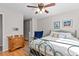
56,24
67,23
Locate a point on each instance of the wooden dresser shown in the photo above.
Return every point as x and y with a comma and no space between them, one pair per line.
15,42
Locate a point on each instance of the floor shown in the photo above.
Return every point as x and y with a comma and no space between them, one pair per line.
19,52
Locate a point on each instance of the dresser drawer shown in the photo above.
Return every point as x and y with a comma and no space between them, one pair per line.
15,42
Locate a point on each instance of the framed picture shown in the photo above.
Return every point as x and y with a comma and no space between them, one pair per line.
67,23
57,25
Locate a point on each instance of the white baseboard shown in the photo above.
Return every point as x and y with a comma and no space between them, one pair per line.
5,50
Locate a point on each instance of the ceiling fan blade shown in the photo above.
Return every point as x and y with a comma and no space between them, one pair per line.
49,5
32,6
46,11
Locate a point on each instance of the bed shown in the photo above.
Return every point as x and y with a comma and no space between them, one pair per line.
55,45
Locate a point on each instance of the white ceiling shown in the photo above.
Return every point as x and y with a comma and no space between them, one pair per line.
30,12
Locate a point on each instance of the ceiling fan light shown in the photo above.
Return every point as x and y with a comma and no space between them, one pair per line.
40,12
43,10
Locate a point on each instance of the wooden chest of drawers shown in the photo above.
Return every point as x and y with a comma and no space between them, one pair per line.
15,42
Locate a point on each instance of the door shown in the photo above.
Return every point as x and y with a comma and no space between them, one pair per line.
0,32
27,28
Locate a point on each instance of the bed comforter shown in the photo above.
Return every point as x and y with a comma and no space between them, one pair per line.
56,46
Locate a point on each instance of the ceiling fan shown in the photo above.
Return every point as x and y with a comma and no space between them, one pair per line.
41,7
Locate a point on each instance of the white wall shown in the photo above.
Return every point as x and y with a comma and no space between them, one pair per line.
47,23
44,25
34,26
11,20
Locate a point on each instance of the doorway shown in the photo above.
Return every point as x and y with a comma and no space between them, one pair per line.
27,28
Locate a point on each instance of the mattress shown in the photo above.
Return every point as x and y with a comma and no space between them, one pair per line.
56,46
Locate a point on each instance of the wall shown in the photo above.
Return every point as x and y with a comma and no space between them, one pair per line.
11,20
47,23
44,25
34,26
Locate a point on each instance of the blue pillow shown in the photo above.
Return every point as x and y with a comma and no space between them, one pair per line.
38,34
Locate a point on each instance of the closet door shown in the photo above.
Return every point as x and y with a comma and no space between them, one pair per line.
0,32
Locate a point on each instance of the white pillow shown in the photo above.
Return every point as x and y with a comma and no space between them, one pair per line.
62,35
69,35
65,35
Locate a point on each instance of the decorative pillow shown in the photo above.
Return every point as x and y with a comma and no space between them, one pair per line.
46,33
54,34
38,34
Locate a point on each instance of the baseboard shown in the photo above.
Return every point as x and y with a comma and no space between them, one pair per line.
5,50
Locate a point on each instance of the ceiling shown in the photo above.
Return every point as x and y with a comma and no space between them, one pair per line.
30,12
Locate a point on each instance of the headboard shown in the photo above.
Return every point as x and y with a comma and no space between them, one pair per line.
74,33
